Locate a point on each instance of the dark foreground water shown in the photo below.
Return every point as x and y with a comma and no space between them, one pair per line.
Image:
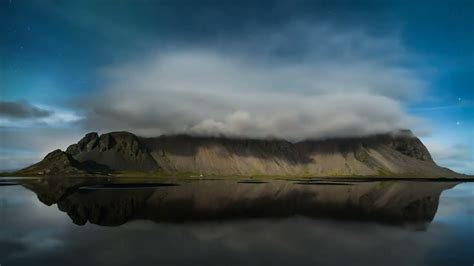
231,223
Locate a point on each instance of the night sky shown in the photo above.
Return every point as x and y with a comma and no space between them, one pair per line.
286,69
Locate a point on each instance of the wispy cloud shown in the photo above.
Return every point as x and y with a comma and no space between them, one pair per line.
21,110
22,114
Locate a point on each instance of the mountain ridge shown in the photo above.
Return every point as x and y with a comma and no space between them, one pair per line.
391,154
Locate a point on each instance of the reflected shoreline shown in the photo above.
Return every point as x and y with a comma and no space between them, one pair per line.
114,203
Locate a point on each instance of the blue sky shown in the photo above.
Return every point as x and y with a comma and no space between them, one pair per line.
257,68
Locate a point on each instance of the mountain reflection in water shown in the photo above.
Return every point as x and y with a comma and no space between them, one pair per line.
112,204
215,222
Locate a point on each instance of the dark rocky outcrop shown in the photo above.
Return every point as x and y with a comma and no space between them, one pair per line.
117,150
411,147
86,144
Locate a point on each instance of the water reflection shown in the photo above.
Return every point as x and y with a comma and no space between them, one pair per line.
111,204
35,234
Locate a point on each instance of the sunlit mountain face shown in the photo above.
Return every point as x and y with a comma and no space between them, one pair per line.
273,69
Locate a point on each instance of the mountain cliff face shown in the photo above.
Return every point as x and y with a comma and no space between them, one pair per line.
382,154
386,154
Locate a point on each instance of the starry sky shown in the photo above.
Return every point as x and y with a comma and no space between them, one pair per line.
286,69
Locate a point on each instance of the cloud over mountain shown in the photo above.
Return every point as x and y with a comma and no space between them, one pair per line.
339,82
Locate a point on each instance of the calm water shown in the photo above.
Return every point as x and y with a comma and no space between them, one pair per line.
230,223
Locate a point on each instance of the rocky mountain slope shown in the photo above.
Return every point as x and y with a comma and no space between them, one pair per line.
400,154
56,162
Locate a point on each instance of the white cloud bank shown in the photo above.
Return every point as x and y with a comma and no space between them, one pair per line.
301,81
341,83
